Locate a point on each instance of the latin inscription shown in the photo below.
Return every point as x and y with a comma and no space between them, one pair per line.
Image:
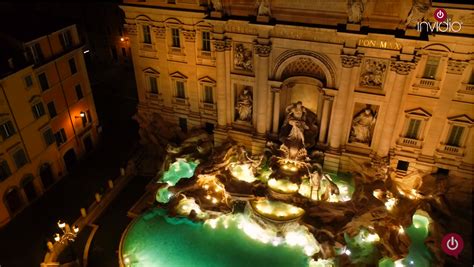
380,44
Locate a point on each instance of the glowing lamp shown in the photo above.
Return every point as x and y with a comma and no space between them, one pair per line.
75,229
122,39
61,224
57,237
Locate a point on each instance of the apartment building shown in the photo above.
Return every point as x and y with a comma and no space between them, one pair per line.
48,119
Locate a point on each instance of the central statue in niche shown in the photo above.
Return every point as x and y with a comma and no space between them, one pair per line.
299,128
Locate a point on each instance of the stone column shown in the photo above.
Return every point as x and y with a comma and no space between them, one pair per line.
220,83
276,109
325,118
348,62
262,51
228,89
402,69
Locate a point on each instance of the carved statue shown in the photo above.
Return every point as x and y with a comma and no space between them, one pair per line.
363,126
217,5
417,12
243,58
299,126
264,8
355,8
373,73
244,106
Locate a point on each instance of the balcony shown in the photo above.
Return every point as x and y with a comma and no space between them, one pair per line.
451,150
426,87
465,93
405,141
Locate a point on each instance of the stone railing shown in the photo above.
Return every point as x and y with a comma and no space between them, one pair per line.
91,213
451,150
409,142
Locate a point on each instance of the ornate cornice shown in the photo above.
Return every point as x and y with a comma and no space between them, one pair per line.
130,29
263,50
456,66
160,32
350,61
402,67
189,35
219,45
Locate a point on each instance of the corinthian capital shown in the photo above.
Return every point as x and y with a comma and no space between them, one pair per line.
350,61
401,67
456,66
263,50
219,45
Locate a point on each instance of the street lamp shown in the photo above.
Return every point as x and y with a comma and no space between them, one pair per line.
69,234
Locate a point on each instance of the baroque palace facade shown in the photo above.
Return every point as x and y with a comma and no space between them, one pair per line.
380,88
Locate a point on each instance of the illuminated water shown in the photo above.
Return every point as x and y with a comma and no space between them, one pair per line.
155,240
418,254
178,170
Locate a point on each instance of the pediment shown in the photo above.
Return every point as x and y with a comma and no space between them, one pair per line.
461,118
33,98
418,112
178,75
207,79
151,70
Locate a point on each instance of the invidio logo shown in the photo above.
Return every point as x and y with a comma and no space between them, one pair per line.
442,23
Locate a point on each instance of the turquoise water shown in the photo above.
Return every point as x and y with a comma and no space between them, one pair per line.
155,240
418,254
178,170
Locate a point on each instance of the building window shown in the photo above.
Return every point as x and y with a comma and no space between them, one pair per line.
28,81
4,170
206,41
52,109
89,116
402,165
113,50
20,158
153,84
208,94
209,127
7,130
175,38
38,110
183,124
66,39
431,67
124,52
35,53
471,78
79,93
43,80
72,65
180,93
413,129
455,135
48,137
146,34
60,137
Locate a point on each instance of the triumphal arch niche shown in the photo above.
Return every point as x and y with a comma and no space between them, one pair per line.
302,77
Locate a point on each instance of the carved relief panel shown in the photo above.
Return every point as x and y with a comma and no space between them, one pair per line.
373,72
243,57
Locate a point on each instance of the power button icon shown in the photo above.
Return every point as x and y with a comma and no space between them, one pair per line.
452,244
